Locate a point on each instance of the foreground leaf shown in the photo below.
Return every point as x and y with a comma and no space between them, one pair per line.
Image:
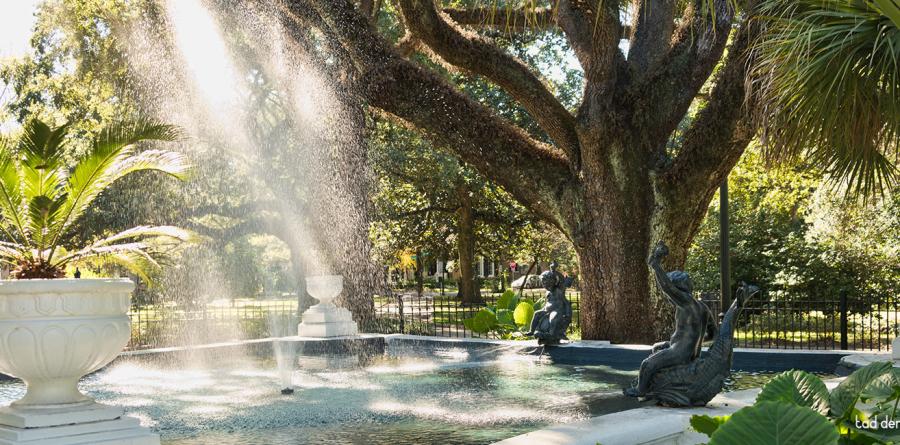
845,396
707,424
775,423
797,387
524,313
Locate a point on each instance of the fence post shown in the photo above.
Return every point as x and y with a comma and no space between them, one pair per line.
400,309
844,339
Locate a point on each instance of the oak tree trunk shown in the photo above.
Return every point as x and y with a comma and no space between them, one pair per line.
469,292
420,274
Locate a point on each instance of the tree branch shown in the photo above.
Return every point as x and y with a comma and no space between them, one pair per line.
653,27
479,55
697,46
593,29
421,211
504,19
297,24
721,131
512,20
538,176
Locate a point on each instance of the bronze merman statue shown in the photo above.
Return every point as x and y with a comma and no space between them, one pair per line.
696,383
692,320
549,324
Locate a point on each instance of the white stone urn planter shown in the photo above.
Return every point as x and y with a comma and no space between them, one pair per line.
326,319
52,333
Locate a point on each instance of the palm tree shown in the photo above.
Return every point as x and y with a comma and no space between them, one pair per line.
827,73
41,199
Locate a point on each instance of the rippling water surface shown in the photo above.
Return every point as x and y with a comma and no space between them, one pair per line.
444,398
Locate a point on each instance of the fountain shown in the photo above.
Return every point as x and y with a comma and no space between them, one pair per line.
285,351
326,319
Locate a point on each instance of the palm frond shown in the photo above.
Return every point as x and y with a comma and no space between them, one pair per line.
135,257
42,168
826,77
40,201
42,147
146,250
43,220
111,158
11,197
169,233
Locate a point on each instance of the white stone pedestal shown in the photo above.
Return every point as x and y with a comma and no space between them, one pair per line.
895,349
79,424
327,320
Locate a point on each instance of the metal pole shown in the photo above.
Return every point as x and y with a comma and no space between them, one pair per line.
843,303
724,263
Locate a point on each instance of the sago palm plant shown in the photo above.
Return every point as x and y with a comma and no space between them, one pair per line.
42,199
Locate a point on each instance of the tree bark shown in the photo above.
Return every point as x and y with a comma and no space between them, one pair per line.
469,292
304,300
420,274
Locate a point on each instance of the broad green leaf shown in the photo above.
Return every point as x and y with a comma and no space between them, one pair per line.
508,300
775,423
844,397
524,313
708,425
883,387
505,317
798,387
484,321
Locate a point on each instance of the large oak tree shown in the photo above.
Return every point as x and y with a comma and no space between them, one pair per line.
605,178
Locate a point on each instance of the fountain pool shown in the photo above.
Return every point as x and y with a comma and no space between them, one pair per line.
405,395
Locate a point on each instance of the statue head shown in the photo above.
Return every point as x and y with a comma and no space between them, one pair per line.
682,281
549,279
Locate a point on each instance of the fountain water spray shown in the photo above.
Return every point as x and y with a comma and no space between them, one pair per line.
285,354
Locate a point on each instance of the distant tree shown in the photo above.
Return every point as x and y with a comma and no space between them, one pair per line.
791,231
430,202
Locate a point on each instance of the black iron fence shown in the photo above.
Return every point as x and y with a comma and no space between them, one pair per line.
165,325
771,320
775,320
443,315
782,320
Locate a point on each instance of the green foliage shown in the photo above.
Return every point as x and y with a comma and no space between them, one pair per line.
484,321
795,407
41,200
707,424
796,236
775,423
509,317
523,313
843,398
826,73
797,387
